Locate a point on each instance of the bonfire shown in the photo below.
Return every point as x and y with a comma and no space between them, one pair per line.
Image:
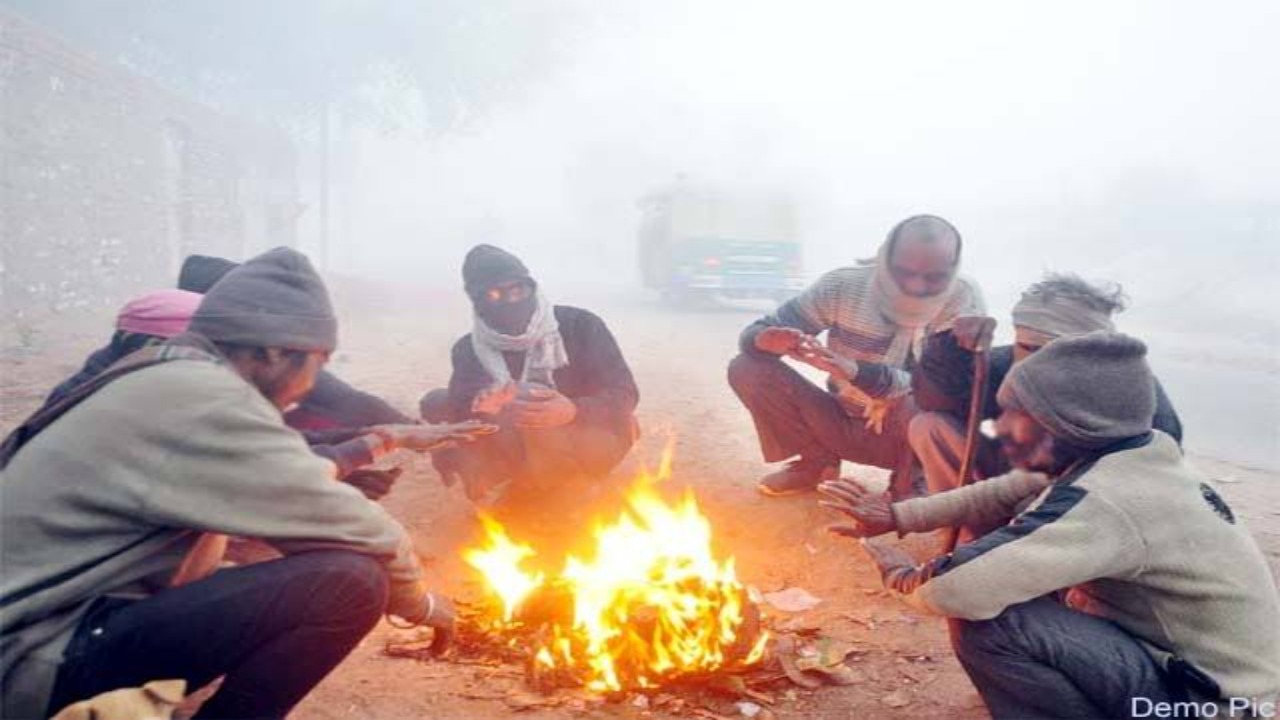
649,604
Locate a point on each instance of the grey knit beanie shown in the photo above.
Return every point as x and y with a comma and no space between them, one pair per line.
273,300
1091,390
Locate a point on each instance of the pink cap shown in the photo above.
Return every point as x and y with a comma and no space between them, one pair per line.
164,313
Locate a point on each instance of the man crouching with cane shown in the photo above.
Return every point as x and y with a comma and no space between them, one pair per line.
1167,597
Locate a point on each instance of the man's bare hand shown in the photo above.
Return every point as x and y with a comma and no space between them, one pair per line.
813,353
543,408
434,437
779,340
492,400
871,512
888,557
974,332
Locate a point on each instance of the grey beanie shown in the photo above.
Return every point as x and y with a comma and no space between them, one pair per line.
1091,390
273,300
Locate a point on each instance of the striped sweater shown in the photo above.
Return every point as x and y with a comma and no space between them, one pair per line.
842,303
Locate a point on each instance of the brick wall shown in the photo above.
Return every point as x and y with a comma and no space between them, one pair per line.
107,180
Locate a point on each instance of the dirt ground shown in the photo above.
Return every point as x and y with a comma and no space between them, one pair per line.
396,345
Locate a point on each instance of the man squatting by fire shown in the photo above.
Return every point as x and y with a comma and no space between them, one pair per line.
876,316
116,500
1127,585
551,377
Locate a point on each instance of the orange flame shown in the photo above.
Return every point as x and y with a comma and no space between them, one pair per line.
650,604
499,563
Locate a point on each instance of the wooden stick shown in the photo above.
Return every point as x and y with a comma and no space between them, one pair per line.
977,396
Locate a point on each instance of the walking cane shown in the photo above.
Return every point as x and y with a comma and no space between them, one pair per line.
977,394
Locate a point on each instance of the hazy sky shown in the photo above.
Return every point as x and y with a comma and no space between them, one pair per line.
986,112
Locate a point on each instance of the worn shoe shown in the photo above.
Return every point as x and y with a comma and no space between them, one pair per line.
799,476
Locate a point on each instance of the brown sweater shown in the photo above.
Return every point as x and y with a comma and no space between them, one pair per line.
983,504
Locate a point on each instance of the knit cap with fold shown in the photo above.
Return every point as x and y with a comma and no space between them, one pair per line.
273,300
1091,390
488,265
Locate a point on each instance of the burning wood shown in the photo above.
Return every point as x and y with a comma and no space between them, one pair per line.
651,605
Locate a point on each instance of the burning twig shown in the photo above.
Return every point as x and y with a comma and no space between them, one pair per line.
652,608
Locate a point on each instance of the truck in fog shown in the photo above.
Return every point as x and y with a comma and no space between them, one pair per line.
703,243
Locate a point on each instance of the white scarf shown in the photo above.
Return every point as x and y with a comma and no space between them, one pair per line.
541,343
910,315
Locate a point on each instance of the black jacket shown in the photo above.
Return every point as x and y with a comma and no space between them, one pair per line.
597,377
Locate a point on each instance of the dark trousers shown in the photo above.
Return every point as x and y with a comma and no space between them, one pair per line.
274,629
1042,659
795,417
530,457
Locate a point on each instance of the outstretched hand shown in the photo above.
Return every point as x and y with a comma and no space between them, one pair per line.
872,513
427,437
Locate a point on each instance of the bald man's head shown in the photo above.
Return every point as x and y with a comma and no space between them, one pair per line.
923,255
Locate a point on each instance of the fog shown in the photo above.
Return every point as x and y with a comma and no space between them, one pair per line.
1043,132
1132,142
1126,141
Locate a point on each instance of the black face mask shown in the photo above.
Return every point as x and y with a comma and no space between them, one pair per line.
508,318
